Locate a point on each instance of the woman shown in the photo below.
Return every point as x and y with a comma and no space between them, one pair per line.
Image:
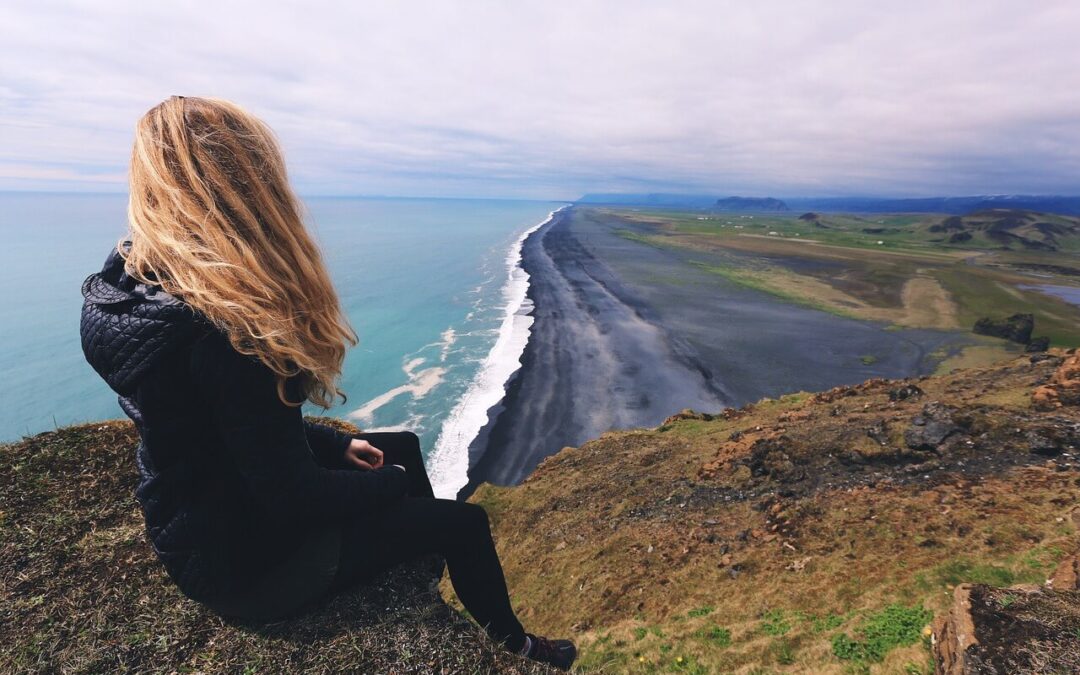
213,320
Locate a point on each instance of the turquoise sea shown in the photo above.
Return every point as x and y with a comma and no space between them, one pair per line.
431,286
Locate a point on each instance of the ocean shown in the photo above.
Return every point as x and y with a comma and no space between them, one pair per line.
433,288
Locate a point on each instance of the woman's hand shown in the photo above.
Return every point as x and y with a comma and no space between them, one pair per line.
363,455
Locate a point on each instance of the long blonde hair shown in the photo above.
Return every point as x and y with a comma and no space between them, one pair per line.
214,222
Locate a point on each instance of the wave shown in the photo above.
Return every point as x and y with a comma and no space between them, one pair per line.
448,463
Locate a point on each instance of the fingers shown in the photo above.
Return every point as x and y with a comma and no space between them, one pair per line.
364,455
359,463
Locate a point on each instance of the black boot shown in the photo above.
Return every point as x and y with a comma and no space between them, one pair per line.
558,653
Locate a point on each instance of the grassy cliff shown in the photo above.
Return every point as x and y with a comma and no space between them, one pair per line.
814,533
81,592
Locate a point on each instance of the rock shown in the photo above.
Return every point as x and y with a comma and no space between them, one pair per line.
767,458
686,414
1024,629
1063,387
1016,328
1039,344
1041,445
1067,575
1054,437
742,474
879,432
1039,358
905,392
930,427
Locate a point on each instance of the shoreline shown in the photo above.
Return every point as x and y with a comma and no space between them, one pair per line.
625,335
449,458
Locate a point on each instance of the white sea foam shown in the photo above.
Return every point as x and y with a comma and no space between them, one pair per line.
449,337
420,382
448,463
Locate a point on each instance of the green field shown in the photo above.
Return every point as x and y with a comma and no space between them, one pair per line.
911,270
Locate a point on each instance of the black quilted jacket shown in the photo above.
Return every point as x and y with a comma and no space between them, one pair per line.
231,477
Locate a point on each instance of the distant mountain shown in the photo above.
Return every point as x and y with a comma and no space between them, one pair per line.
949,205
1009,229
750,204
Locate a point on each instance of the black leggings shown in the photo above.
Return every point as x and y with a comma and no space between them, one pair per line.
420,524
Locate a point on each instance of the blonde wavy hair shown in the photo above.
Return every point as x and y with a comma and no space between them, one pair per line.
214,222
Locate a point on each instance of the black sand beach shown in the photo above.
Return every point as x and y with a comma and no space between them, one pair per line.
626,334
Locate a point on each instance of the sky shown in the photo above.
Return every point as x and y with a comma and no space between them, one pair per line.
552,99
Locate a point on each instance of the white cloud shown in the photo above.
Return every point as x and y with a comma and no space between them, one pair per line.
551,99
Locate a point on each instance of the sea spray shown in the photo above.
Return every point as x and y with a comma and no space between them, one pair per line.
448,463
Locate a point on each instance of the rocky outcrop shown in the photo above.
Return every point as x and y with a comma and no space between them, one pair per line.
1016,328
1039,344
1062,388
1018,630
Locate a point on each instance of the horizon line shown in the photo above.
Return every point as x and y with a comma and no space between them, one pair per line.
721,195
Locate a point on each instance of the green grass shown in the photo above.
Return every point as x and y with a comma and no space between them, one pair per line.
980,293
783,652
716,636
742,277
880,633
979,290
963,570
775,623
826,623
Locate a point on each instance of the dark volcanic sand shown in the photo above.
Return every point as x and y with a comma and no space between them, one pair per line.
626,334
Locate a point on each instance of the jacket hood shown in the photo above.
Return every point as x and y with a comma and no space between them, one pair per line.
127,327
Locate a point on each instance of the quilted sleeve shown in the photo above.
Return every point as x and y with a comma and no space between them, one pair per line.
327,444
266,442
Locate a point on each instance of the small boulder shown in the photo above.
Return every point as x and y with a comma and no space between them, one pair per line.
931,427
686,414
1016,328
905,392
1039,344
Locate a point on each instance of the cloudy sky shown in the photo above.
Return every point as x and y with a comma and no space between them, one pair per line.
552,99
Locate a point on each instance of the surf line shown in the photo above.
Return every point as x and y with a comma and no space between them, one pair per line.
448,464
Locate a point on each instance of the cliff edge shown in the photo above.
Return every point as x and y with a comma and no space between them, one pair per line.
81,592
811,533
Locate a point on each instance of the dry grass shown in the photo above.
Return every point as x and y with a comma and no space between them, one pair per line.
81,592
749,542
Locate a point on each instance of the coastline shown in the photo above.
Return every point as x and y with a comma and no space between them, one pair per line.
624,335
448,462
